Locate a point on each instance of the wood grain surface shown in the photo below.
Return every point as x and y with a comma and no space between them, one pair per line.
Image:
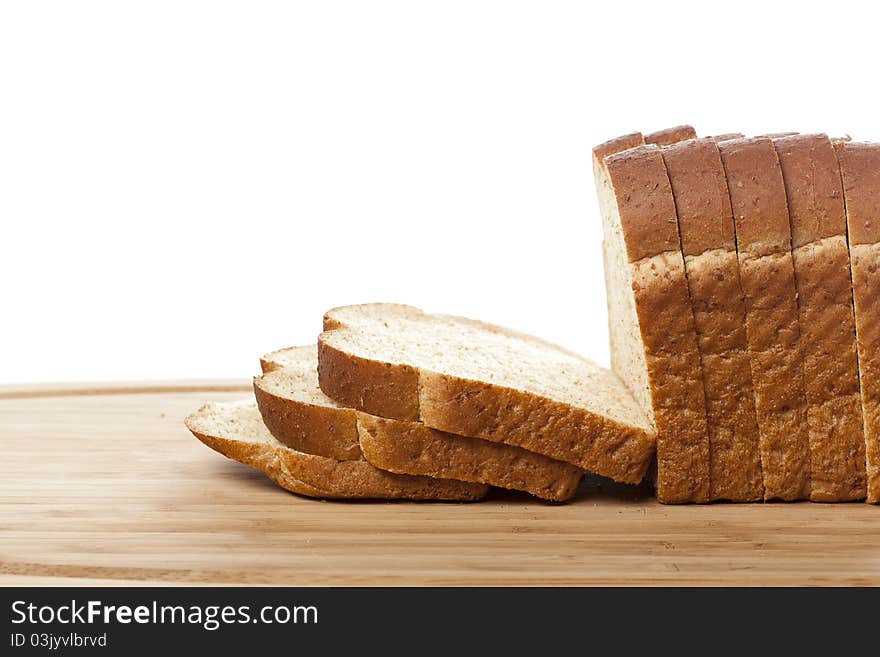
103,485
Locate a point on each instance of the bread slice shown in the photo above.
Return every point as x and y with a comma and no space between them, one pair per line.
296,412
482,381
237,431
669,136
860,169
822,275
763,239
705,222
651,324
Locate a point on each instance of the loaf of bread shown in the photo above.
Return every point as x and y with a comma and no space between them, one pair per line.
743,289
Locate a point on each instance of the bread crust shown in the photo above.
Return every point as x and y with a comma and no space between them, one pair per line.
650,229
318,476
822,274
645,201
405,447
379,388
860,170
482,410
757,195
672,135
413,448
616,145
309,428
705,221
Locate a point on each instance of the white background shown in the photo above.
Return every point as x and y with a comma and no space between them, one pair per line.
185,185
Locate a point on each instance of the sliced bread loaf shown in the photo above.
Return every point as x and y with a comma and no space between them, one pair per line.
237,431
860,169
705,222
763,239
822,274
482,381
651,324
300,415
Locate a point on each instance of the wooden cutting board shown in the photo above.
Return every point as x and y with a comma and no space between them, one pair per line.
104,485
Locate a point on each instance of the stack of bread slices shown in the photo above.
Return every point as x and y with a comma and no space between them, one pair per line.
743,285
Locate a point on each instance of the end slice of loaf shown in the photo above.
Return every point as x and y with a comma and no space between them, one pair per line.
651,324
299,414
860,169
481,381
763,239
705,221
822,274
236,430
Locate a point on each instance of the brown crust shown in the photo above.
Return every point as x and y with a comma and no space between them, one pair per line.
702,203
544,426
757,195
650,228
318,476
672,135
706,223
309,428
378,388
413,448
490,412
813,188
616,145
860,169
338,432
822,274
645,199
861,175
727,136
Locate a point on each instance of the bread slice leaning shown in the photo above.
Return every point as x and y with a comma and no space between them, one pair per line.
860,169
481,381
296,411
236,430
763,240
705,222
822,274
651,323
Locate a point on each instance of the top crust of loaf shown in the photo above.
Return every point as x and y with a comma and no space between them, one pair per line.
860,163
727,136
755,181
814,190
644,196
699,185
672,135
